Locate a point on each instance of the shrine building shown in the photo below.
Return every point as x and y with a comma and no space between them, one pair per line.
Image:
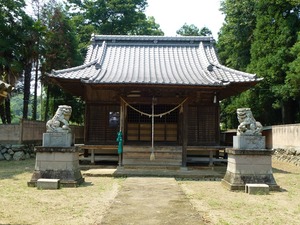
162,93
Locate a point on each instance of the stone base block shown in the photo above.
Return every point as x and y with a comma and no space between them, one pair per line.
237,181
257,189
48,184
68,178
57,163
249,166
57,139
249,142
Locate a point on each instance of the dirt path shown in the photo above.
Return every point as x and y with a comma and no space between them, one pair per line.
150,201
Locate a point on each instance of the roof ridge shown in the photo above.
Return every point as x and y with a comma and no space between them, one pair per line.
245,74
149,38
101,58
203,55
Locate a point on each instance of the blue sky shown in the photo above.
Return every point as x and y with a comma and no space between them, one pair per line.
172,14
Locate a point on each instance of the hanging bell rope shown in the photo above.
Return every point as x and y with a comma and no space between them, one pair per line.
152,156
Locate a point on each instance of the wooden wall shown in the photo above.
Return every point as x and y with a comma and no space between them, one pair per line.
203,126
98,128
203,117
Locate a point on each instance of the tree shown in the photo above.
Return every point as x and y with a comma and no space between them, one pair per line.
192,30
39,33
60,52
292,80
234,44
114,16
111,17
236,34
28,55
276,31
257,37
11,42
291,85
147,27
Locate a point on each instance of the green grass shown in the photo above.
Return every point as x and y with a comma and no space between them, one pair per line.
236,207
87,203
27,205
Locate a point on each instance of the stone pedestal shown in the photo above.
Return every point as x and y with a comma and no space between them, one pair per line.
249,165
249,142
57,139
57,163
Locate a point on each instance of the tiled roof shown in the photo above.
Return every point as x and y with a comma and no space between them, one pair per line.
153,60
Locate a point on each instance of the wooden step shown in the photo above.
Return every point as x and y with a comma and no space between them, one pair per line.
164,156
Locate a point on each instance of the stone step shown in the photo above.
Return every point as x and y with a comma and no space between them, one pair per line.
257,189
43,183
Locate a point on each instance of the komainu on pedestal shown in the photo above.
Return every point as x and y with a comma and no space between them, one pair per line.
58,158
249,162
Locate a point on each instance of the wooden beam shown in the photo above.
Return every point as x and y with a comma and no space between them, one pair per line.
184,134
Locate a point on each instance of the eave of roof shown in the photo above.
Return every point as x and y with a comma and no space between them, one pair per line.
154,60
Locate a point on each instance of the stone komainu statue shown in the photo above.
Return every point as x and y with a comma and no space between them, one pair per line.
60,121
248,125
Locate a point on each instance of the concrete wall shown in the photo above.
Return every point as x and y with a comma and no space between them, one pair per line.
286,136
278,136
32,131
10,133
267,132
29,131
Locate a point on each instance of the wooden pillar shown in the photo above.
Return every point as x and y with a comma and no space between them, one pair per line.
122,126
217,118
122,116
184,134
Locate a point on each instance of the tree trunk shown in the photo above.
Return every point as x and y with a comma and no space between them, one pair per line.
289,110
27,79
47,104
34,107
7,110
2,113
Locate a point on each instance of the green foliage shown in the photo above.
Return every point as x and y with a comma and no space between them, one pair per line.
60,52
61,43
110,17
192,30
236,34
274,36
292,81
59,97
260,37
147,27
11,17
83,32
17,107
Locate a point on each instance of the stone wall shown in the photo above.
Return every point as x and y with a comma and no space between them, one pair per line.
286,136
289,155
16,152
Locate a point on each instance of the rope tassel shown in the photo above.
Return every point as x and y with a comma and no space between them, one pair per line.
152,156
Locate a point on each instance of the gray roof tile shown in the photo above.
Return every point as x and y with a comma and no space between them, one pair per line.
153,60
